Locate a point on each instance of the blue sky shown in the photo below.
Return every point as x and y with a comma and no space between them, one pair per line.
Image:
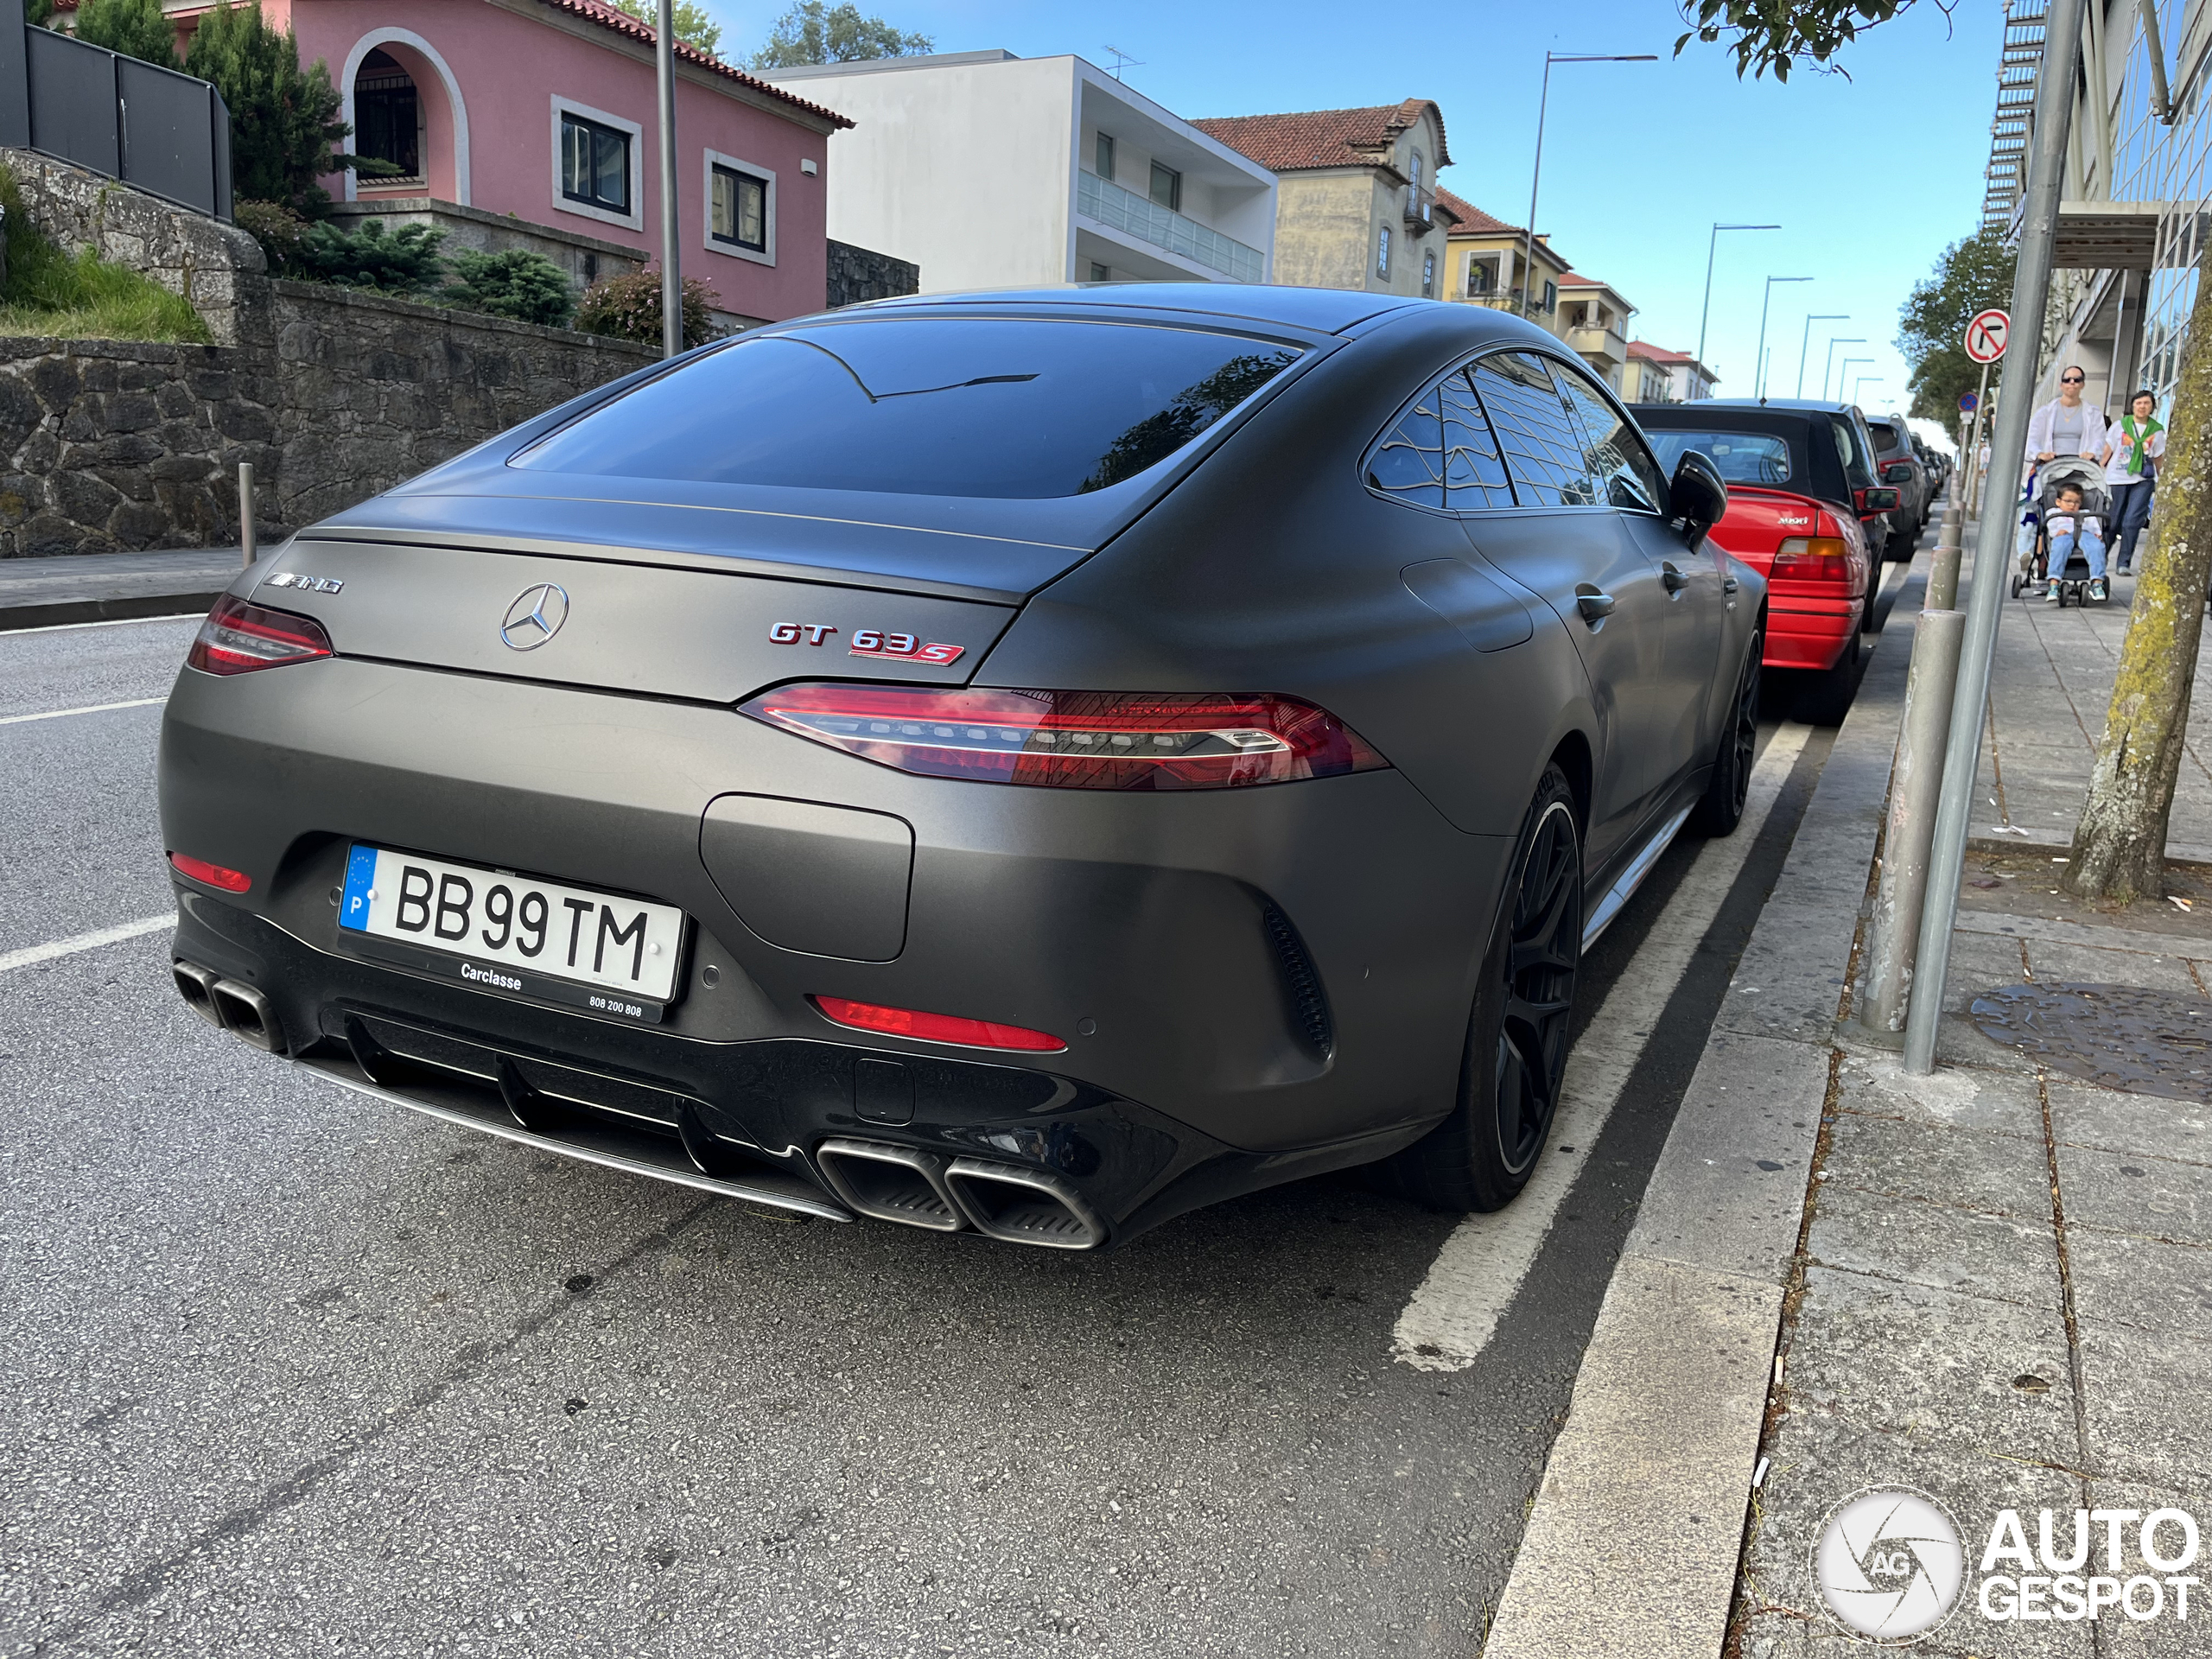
1870,176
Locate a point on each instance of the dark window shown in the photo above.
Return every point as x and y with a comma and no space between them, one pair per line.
1542,447
1614,453
1167,188
1100,273
1440,454
386,120
937,406
1738,457
1103,166
594,164
1428,276
741,217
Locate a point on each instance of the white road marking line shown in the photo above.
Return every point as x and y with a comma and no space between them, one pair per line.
194,617
1476,1276
32,955
89,708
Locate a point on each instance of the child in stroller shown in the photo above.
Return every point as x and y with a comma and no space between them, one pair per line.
2061,544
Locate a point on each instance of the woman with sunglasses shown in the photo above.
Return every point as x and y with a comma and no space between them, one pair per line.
2067,425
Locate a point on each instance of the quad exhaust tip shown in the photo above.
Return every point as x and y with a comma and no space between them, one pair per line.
921,1189
234,1007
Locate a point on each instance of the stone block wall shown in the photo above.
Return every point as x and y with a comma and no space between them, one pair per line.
857,274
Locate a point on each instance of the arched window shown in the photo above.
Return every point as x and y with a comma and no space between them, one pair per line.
387,115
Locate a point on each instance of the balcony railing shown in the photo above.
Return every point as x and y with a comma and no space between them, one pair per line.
1420,205
1147,221
1593,340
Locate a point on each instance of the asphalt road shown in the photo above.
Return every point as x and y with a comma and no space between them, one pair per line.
286,1371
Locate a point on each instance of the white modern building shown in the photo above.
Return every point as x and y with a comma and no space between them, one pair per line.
994,171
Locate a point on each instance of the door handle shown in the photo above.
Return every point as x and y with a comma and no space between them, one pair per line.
1594,605
1675,580
1729,584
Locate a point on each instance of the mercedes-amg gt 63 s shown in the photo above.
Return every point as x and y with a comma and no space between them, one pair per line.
1024,763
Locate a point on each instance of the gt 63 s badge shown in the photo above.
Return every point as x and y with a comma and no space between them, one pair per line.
869,642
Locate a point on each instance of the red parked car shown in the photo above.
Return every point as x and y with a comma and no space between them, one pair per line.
1803,510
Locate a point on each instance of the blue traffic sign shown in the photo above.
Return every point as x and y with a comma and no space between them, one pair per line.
1967,402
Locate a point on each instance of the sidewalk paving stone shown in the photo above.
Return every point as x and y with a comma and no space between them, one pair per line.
2150,1284
1937,1247
2084,1115
2135,1192
1971,1169
1954,1098
2143,1405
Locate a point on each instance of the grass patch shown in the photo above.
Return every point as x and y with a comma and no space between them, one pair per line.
55,295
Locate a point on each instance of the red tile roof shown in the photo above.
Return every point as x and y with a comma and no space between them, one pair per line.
1305,139
622,23
1473,221
1650,353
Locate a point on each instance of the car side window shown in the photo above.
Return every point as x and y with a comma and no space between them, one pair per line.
1542,449
1440,454
1408,464
1615,452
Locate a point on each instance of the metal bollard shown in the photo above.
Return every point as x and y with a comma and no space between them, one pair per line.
245,511
1893,936
1943,568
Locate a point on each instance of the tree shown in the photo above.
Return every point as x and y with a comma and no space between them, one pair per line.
811,32
694,27
405,261
1971,275
284,125
1771,34
628,307
136,28
513,283
2119,847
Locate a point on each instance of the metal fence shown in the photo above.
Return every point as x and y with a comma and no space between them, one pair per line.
160,131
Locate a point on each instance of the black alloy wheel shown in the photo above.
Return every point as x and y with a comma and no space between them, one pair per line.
1481,1156
1721,808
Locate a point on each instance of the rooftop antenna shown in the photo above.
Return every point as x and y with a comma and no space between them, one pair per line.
1123,61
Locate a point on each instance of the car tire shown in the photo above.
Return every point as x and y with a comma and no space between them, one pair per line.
1720,809
1826,695
1481,1156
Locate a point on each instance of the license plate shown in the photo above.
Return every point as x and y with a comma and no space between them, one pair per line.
514,934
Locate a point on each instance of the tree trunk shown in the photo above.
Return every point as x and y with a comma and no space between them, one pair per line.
2119,848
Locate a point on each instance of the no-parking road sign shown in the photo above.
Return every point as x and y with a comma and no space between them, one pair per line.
1987,334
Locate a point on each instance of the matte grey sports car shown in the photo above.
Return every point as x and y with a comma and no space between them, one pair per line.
1027,762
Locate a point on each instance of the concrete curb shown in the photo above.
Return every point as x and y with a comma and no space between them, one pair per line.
127,608
1634,1541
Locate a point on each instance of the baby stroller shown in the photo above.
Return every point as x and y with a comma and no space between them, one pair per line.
2077,472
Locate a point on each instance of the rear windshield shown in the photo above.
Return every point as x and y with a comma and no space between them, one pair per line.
1742,457
1885,437
924,406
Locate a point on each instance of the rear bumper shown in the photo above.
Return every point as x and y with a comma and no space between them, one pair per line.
1807,634
1253,984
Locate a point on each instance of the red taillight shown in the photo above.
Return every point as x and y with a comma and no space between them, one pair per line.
237,638
1075,740
1811,558
214,875
935,1028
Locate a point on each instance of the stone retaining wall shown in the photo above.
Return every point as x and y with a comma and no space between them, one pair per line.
857,274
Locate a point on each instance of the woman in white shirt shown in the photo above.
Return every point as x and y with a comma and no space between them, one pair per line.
2067,426
2136,443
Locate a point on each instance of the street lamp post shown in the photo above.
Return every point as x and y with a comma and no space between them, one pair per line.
1537,173
1843,372
672,262
1863,379
1711,243
1758,385
1807,345
1828,367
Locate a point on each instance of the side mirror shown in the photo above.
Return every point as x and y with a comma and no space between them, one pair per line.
1877,499
1698,498
1898,472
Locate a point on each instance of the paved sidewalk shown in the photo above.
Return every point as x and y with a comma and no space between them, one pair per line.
2004,1270
100,587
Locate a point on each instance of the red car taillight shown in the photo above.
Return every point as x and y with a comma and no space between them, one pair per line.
214,875
1074,739
237,638
1811,558
935,1028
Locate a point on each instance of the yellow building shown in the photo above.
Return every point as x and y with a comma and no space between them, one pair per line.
1489,264
1356,205
1593,320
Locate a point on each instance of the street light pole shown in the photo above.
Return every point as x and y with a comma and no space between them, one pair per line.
1863,379
1758,382
671,274
1843,372
1828,367
1537,173
1807,345
1711,243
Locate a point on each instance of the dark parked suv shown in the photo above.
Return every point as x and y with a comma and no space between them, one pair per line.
1899,465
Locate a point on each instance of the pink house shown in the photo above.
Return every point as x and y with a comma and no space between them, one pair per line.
545,110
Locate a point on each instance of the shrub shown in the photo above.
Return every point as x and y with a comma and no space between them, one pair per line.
56,295
284,125
405,261
517,283
277,227
135,27
628,307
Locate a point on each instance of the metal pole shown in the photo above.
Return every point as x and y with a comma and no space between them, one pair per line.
1828,367
1536,178
1705,312
1993,544
1894,930
1758,363
1805,348
671,261
247,547
1844,374
1980,409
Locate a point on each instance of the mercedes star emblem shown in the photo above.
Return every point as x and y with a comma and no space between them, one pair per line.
535,617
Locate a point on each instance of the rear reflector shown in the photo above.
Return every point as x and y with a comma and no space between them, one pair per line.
1074,739
214,875
1811,558
237,638
935,1028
